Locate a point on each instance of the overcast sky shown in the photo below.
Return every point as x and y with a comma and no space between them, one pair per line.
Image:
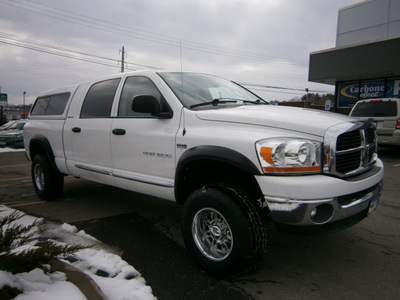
265,42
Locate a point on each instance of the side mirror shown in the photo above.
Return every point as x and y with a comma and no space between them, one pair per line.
145,104
150,105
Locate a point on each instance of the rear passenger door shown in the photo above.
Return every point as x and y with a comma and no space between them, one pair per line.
89,133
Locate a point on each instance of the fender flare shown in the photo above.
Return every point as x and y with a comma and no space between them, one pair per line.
40,141
214,153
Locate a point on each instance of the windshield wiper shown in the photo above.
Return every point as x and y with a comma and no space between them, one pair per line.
215,102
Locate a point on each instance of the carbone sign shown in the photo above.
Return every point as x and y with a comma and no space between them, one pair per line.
350,92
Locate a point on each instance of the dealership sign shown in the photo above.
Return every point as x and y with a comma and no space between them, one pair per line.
393,88
350,92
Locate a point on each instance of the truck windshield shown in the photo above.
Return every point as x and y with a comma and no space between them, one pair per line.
200,91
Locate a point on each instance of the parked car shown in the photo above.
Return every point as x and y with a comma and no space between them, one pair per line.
6,125
13,135
385,114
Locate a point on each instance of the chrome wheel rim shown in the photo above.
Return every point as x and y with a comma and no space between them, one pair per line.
39,177
212,234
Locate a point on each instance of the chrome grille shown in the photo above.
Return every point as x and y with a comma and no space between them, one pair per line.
370,135
350,149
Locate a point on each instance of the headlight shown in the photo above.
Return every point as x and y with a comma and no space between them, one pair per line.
289,155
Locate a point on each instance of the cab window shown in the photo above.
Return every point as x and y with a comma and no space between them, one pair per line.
99,99
134,86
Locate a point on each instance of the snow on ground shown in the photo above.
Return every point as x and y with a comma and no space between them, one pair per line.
10,150
123,281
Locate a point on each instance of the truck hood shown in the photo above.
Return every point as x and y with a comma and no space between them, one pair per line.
308,121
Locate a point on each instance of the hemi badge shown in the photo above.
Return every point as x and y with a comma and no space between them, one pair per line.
181,146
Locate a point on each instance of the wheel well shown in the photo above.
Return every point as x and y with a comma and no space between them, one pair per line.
199,173
42,146
36,148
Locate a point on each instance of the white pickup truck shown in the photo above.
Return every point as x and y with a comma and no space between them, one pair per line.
235,163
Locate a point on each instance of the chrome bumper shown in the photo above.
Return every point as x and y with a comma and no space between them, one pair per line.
323,211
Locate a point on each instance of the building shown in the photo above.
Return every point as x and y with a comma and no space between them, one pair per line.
366,60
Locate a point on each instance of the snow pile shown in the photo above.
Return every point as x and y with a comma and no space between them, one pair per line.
115,277
11,150
38,285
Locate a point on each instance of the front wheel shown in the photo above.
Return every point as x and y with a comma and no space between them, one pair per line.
47,182
223,230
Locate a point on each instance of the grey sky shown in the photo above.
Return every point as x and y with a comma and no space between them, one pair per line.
264,42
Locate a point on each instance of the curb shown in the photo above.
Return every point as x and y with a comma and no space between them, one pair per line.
86,284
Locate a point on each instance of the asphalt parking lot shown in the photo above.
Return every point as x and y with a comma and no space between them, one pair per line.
362,262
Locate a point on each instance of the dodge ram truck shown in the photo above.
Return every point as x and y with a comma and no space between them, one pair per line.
235,163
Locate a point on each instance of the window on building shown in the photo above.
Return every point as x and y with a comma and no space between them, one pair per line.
393,87
352,91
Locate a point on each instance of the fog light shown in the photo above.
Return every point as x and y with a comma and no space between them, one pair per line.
322,213
313,213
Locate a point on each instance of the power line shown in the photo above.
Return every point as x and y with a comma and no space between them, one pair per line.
55,53
277,92
84,20
65,52
40,46
281,88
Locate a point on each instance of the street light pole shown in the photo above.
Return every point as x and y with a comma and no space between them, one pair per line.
306,102
24,93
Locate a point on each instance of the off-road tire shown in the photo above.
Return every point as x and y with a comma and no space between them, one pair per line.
223,231
47,182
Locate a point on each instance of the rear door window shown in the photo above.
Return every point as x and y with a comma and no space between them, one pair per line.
375,109
99,99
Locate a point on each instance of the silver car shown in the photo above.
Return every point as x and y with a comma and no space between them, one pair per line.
385,114
13,135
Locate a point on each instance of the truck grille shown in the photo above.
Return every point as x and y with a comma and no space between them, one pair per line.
350,149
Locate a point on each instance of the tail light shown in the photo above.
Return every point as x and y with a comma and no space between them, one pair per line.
398,124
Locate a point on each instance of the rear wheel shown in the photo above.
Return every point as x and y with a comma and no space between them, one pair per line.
47,182
223,230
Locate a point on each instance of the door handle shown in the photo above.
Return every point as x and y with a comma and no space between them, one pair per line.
76,129
118,131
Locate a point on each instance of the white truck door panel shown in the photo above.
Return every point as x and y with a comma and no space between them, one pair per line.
143,146
88,133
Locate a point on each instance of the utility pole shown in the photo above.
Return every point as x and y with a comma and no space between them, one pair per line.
23,113
123,54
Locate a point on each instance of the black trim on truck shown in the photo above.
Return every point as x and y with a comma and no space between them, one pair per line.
217,153
40,144
205,158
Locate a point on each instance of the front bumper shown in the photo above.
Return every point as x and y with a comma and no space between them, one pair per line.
321,199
